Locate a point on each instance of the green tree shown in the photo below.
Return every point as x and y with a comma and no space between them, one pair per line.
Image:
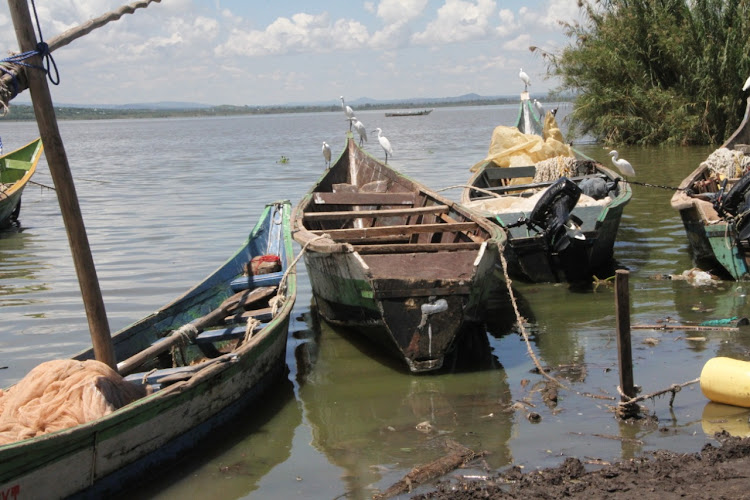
656,71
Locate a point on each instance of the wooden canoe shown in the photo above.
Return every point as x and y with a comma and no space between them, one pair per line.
16,169
715,217
392,260
217,376
421,112
555,232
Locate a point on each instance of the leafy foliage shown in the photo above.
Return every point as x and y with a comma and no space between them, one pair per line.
656,71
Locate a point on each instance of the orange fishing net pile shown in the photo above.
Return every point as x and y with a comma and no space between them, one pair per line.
61,394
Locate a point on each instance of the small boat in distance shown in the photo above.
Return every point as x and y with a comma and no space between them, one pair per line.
714,209
209,355
16,169
561,209
394,261
422,112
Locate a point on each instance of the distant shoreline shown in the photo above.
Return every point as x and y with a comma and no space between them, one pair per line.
25,112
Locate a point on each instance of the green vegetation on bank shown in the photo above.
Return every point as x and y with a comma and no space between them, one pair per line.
648,72
23,112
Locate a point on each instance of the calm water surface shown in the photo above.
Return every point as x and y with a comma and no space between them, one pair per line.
166,201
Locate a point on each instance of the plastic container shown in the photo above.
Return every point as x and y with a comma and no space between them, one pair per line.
726,380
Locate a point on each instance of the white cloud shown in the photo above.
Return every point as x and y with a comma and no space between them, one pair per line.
302,33
520,43
458,21
508,23
551,14
400,11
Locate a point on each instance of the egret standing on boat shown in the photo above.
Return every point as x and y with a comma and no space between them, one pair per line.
539,109
327,153
525,79
384,143
360,128
348,111
622,164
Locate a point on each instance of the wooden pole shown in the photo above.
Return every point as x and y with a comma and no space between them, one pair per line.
66,194
624,353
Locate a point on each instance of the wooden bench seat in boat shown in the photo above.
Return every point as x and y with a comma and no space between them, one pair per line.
509,172
345,198
255,281
357,233
370,214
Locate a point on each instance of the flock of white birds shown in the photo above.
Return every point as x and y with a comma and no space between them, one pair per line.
622,164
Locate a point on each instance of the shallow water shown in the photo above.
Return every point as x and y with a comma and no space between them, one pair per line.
166,201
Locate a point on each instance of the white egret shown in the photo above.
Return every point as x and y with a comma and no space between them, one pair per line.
622,164
360,128
525,79
747,84
348,111
539,109
327,153
384,143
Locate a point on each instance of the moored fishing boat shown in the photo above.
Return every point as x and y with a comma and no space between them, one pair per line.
16,169
209,355
561,210
403,265
421,112
713,206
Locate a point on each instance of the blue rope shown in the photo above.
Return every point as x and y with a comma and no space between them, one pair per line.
42,49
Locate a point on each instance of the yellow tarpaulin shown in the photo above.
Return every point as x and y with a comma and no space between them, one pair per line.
511,148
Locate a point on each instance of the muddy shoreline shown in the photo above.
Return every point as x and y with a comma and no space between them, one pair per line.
721,471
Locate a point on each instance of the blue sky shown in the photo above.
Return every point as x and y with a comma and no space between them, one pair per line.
261,52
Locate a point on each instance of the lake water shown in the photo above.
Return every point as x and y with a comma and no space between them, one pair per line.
165,201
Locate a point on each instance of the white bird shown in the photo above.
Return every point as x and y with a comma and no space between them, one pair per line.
359,127
348,111
327,153
747,84
622,164
525,79
539,109
384,143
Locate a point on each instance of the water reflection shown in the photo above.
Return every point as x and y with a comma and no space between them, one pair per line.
19,270
374,421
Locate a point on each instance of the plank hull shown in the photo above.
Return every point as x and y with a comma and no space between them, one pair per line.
714,238
394,261
16,170
99,458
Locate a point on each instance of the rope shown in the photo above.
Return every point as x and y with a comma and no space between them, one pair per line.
277,301
525,334
473,188
252,323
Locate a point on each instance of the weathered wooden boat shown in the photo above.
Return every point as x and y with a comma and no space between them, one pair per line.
561,210
421,112
16,169
712,203
237,351
392,260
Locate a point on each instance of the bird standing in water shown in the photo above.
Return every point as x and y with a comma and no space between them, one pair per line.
622,164
327,153
384,143
525,79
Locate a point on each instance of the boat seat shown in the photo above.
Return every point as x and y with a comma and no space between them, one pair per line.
388,212
358,234
248,282
344,198
510,172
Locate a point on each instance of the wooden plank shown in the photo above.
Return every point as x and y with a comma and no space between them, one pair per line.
495,173
355,233
421,292
363,198
451,220
364,214
263,314
520,187
416,247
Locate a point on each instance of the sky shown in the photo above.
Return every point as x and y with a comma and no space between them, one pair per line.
242,52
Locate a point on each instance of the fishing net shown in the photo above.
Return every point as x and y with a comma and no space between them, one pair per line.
61,394
725,163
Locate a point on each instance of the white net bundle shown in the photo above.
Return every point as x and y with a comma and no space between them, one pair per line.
727,163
